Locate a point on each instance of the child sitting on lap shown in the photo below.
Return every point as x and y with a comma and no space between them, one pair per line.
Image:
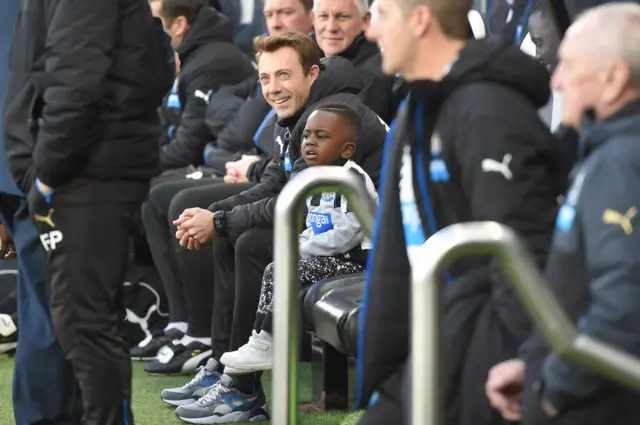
333,244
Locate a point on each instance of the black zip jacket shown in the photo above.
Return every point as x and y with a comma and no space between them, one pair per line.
84,83
247,130
594,266
223,107
378,88
208,60
479,152
338,81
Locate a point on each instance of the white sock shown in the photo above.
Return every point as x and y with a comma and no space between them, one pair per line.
186,340
180,326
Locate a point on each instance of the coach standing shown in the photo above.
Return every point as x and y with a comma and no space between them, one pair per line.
81,139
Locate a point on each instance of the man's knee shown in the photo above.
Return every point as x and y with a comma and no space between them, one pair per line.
159,199
254,241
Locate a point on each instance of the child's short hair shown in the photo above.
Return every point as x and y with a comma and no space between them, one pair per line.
346,112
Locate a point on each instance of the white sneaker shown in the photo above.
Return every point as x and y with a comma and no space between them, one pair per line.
254,356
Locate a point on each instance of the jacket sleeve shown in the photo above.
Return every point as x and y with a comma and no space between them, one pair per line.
257,169
341,239
273,180
607,212
80,41
192,134
503,172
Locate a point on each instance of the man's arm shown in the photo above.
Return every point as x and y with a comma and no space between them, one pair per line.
506,177
192,134
272,181
80,40
607,212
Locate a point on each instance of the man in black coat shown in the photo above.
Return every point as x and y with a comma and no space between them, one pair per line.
594,263
294,84
203,39
468,145
339,31
81,134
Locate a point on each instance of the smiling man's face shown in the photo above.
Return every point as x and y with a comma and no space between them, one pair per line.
337,23
285,85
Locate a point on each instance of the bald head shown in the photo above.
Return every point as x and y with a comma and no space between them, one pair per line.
609,33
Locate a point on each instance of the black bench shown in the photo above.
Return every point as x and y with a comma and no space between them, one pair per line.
330,309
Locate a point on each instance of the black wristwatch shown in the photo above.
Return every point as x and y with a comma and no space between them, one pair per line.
220,223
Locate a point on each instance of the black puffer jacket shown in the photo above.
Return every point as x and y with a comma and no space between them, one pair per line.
475,150
84,83
208,60
223,107
338,81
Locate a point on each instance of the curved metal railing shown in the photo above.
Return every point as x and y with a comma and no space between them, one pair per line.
489,238
440,250
286,314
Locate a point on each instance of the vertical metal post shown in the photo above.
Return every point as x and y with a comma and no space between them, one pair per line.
484,238
286,313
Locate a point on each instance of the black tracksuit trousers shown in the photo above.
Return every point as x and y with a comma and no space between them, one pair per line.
84,229
187,275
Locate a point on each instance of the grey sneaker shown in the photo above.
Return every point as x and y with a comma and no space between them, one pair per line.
223,404
206,377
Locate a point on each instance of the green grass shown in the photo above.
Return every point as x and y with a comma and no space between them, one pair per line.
149,410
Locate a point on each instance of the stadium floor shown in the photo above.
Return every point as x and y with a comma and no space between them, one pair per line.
149,410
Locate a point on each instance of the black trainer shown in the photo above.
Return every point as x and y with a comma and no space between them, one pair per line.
148,350
178,359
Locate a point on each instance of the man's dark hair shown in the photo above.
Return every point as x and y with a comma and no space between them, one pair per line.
347,113
301,43
308,4
172,9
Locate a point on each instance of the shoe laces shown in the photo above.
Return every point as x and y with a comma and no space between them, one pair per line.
213,394
202,373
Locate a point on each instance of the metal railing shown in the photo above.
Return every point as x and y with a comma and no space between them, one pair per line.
460,240
286,314
440,251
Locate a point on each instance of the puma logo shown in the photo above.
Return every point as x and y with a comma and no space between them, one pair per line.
143,322
204,96
280,143
491,165
611,216
47,219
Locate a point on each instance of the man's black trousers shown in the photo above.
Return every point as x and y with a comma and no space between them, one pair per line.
84,228
238,275
187,276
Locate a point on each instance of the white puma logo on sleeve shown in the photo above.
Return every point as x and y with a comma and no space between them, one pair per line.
491,165
204,96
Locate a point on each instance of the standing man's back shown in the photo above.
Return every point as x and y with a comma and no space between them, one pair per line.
90,102
81,139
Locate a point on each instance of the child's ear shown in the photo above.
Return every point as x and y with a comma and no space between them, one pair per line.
348,150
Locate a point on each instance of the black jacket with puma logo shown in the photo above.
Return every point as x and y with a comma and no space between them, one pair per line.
479,151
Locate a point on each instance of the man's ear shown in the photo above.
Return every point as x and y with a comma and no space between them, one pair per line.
348,149
314,72
366,21
182,25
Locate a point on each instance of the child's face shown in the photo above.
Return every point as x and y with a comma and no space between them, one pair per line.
325,140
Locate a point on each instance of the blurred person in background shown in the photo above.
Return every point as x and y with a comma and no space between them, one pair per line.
81,131
594,264
468,145
38,343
